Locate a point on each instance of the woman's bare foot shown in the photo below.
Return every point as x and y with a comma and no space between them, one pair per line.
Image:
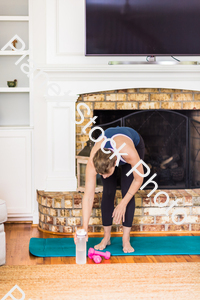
105,242
127,248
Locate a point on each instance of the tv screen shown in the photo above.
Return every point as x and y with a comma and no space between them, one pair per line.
142,27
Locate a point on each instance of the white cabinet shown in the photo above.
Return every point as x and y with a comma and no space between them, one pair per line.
15,172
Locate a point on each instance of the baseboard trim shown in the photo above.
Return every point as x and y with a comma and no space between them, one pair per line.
18,222
133,233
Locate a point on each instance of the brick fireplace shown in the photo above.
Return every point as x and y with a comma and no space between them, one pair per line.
60,212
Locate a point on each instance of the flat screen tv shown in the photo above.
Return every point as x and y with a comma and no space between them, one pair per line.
143,27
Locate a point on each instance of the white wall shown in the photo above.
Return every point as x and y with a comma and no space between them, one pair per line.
38,47
40,118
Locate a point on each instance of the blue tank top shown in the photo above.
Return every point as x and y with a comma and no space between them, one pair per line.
126,131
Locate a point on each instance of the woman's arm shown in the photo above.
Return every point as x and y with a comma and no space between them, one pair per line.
88,197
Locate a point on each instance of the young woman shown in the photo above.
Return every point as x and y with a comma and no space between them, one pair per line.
100,163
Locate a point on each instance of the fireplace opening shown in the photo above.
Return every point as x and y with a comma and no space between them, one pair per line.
172,143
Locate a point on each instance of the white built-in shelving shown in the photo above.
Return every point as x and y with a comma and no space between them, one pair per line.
7,52
14,90
16,125
15,19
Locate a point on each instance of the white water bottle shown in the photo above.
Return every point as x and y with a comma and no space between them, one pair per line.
81,246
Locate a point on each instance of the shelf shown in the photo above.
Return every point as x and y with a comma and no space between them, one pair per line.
14,18
16,127
14,90
10,52
15,102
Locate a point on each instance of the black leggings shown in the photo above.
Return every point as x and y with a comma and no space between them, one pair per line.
109,190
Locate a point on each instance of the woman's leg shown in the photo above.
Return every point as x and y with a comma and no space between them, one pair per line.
107,207
130,209
107,204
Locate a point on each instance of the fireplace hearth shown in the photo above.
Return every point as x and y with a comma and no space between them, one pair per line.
172,143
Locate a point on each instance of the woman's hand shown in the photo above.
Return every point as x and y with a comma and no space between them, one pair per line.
75,235
119,213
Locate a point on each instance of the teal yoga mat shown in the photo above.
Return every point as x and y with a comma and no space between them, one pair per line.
162,245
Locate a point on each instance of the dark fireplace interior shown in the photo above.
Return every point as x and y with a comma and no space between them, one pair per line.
172,143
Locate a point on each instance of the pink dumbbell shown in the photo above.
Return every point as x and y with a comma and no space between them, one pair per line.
92,252
97,259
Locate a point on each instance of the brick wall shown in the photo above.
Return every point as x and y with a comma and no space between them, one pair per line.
62,212
133,99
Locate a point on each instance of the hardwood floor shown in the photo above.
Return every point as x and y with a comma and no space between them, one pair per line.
17,244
